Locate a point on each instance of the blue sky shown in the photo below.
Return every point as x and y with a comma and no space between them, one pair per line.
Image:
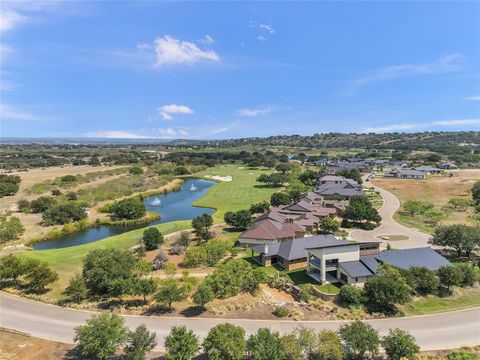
223,70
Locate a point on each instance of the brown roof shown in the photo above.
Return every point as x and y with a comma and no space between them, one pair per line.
271,230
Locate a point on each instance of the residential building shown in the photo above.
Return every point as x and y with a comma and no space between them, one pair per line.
448,166
270,231
429,170
405,174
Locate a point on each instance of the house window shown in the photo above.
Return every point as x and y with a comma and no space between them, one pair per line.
356,279
331,262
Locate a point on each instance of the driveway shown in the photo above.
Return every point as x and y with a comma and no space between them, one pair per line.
391,227
432,332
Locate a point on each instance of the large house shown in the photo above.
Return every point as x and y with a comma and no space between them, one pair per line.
292,254
346,264
405,174
448,165
269,230
337,188
429,170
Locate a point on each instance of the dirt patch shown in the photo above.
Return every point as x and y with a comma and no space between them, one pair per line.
16,346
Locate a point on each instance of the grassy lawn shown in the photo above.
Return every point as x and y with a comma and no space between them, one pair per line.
68,261
414,222
467,299
300,277
234,195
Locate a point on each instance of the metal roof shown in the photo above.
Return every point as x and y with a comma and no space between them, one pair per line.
406,258
355,268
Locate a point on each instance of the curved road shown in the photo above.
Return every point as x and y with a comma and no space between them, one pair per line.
432,332
391,227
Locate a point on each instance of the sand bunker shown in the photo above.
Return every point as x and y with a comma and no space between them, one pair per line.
219,178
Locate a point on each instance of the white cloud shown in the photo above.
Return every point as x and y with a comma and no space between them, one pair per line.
267,27
207,39
169,133
8,112
390,128
254,112
116,134
10,19
261,38
15,13
219,130
426,125
448,63
171,51
473,98
457,122
166,111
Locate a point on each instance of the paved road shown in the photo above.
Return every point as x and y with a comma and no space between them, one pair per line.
391,227
441,331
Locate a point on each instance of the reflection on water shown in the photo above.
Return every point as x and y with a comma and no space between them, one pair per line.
172,206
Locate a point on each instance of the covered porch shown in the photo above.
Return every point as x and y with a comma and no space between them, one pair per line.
324,275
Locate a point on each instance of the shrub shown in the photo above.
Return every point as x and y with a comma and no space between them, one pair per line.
330,347
23,205
291,347
135,170
184,239
280,312
423,280
152,238
71,196
56,192
203,295
160,260
225,341
181,344
68,178
10,229
181,170
351,295
177,250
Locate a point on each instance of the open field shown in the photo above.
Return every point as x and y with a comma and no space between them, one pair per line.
237,194
437,190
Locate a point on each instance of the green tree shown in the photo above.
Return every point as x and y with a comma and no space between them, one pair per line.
449,276
225,341
351,295
12,267
386,289
170,291
360,338
351,174
329,225
239,220
139,343
41,204
423,280
9,184
260,207
279,198
76,290
308,340
414,207
291,347
284,167
101,336
63,214
181,170
360,209
10,229
470,274
109,272
131,208
476,192
39,275
399,344
330,347
145,287
201,225
152,238
462,238
181,344
265,345
462,354
203,295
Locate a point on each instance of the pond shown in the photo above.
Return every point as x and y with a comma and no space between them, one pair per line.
172,206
